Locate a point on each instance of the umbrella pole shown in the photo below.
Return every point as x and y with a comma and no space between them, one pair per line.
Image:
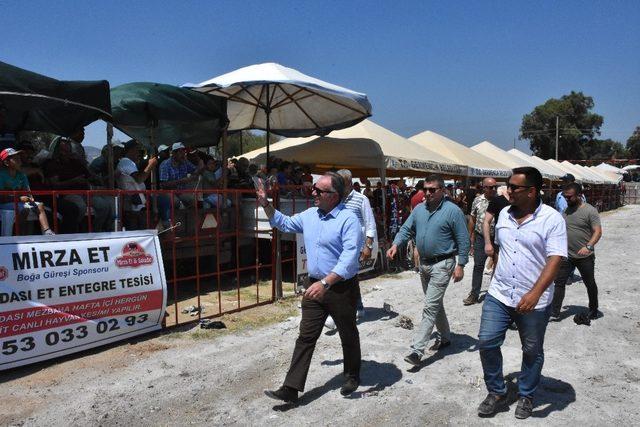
110,164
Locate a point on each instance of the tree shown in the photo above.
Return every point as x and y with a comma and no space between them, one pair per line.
245,141
601,149
633,144
577,126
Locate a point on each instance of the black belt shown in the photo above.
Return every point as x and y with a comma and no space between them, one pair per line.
437,258
342,282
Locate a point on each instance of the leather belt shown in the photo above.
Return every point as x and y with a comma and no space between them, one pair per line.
437,258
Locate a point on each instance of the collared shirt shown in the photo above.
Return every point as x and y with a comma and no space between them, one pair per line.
478,211
332,240
524,249
441,232
360,205
171,172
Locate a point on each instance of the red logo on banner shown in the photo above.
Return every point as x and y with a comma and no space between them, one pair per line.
133,255
4,273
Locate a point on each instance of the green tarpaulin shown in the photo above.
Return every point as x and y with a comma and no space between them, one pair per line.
30,101
168,114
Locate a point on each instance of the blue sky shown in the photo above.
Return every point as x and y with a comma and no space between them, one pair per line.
467,70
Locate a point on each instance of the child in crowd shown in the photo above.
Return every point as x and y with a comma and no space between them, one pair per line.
11,179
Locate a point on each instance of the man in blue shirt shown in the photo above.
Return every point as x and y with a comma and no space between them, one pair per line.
440,231
332,238
561,202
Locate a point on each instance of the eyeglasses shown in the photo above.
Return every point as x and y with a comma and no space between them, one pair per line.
319,191
514,187
431,190
490,187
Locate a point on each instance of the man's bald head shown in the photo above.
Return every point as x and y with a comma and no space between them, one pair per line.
489,187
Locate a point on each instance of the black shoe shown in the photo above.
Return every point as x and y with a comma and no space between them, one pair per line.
284,393
414,358
349,386
440,344
594,314
470,300
524,408
491,404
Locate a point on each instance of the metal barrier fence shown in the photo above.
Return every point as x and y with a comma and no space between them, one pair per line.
220,253
217,245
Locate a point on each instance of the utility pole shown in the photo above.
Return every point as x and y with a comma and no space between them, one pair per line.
557,130
514,143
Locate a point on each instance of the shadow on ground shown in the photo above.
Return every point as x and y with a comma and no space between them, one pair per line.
552,395
459,343
374,377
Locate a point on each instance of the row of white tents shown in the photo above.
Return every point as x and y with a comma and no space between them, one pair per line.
370,150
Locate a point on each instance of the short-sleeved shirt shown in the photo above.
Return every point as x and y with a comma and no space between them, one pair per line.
496,204
580,222
524,249
17,182
478,210
417,199
171,172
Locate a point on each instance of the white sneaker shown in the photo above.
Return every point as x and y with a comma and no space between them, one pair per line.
330,324
360,314
48,232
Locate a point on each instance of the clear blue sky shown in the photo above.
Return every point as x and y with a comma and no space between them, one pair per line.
467,70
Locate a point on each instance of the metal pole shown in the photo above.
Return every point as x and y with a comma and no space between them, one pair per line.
557,129
110,161
267,110
241,148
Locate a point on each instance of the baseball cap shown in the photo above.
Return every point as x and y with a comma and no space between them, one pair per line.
8,152
162,147
177,146
568,177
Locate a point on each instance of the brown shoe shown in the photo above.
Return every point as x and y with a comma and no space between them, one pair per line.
470,300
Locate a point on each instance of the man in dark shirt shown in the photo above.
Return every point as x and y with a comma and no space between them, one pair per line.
496,204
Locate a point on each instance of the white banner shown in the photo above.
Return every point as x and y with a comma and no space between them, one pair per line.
301,260
66,293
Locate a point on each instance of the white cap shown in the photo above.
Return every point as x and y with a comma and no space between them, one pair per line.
178,146
162,147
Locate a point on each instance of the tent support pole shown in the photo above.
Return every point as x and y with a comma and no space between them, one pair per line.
383,179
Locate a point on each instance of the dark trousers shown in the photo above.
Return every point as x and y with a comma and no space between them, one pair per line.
586,267
479,259
339,302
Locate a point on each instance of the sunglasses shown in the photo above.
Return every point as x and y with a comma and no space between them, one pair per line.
431,190
319,191
490,187
514,187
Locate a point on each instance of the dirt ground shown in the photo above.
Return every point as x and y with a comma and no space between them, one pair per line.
591,374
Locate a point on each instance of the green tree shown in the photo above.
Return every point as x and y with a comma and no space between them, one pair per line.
601,149
245,141
633,144
577,126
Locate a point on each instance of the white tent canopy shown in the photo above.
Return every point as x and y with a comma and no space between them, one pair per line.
479,165
488,149
544,167
611,177
567,167
609,168
367,149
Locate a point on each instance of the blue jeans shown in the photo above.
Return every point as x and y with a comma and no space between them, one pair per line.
496,317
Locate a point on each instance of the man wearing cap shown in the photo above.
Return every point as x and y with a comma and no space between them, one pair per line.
583,233
12,179
177,173
561,202
129,177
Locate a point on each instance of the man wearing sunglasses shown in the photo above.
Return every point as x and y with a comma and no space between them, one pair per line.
333,239
476,220
583,231
533,242
440,232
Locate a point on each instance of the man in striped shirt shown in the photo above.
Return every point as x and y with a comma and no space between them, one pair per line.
359,204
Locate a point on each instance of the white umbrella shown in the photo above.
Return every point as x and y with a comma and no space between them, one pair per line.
286,102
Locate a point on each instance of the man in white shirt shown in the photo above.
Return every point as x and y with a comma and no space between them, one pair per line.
129,178
533,242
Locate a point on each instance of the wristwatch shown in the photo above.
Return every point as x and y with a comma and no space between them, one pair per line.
369,245
325,285
590,247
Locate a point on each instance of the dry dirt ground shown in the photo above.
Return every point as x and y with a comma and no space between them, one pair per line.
591,374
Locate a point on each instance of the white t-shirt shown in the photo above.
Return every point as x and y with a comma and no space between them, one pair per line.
126,167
